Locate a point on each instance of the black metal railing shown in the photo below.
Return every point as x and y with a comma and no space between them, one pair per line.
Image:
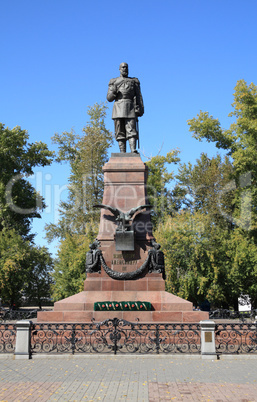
7,338
120,336
115,336
16,315
232,315
236,338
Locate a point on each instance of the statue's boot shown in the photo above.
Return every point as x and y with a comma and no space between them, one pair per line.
122,146
132,144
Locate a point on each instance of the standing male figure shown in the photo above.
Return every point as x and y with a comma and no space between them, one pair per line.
128,106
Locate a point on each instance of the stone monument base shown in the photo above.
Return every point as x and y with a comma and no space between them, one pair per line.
166,307
125,187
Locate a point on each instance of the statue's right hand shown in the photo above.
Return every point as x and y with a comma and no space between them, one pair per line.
113,88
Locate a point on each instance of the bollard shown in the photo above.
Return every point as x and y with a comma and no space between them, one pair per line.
208,350
22,345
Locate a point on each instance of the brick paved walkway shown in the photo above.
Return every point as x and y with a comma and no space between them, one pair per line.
128,378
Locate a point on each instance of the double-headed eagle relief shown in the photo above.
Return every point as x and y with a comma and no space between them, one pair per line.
124,235
123,218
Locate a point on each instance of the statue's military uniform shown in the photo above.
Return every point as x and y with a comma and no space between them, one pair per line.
127,107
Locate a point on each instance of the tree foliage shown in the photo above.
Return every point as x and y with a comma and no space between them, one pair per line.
78,225
158,180
24,270
207,187
210,241
239,141
205,261
86,153
19,204
13,268
69,270
38,285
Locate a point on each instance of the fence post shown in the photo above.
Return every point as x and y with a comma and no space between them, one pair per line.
208,350
22,346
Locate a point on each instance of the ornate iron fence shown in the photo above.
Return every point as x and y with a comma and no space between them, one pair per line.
115,336
231,315
7,338
16,315
120,336
236,338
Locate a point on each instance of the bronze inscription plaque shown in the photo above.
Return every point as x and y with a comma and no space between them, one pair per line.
208,337
124,263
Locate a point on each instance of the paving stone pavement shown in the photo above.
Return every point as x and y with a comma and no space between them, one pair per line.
128,378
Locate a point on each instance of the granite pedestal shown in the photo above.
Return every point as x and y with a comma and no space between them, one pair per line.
125,177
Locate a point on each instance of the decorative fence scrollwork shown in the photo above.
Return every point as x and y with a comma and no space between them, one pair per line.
120,336
115,336
230,314
236,338
16,315
7,338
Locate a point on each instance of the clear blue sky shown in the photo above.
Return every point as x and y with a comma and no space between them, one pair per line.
57,57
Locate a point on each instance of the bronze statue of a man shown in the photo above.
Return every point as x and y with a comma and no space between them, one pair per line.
128,106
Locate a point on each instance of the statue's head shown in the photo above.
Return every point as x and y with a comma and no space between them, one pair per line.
124,69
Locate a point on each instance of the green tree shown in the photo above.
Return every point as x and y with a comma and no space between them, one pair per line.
78,225
24,270
13,268
159,195
206,261
242,252
19,204
86,153
37,288
205,187
217,262
69,269
240,143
